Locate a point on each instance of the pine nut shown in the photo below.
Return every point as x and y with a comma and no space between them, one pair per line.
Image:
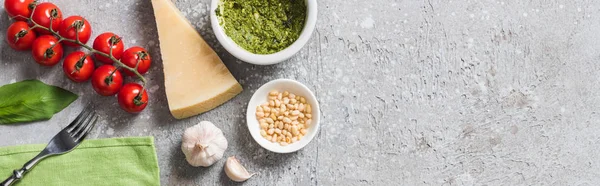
295,112
283,143
286,126
279,96
287,120
259,109
265,104
270,131
295,122
272,97
280,126
277,103
301,107
301,115
294,117
294,139
274,138
273,93
302,100
308,116
286,100
263,133
286,93
269,137
293,101
260,114
271,126
273,117
267,109
292,96
278,131
272,103
308,122
283,108
270,121
280,117
308,109
303,131
264,125
288,134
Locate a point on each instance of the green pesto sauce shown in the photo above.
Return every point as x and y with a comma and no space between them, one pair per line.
262,26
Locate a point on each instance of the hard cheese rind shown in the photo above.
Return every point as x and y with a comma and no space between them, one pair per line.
196,80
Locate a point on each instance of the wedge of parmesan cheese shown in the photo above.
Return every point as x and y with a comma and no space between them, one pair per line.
196,80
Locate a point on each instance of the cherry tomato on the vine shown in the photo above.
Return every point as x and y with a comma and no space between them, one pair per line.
19,36
132,56
104,42
107,80
73,24
45,13
20,10
78,66
133,98
46,50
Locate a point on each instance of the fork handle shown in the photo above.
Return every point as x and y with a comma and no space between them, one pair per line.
18,174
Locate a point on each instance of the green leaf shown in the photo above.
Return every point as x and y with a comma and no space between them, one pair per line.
32,100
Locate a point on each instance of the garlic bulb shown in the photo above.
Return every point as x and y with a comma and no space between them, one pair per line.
203,144
235,171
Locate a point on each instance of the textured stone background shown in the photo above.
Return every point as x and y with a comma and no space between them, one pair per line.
429,92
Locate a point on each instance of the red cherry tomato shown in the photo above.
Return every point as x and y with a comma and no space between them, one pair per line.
133,98
20,10
107,80
43,14
78,66
134,55
103,44
46,50
19,36
71,25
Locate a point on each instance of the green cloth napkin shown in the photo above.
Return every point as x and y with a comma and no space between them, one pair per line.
114,161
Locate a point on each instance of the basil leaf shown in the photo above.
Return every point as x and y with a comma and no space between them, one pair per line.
32,100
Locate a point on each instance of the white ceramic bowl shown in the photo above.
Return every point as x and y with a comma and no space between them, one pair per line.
260,96
268,59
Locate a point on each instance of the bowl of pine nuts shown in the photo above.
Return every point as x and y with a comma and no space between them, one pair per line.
283,116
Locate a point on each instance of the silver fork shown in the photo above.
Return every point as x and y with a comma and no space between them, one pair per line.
65,141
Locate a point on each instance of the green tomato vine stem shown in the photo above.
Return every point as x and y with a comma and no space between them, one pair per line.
115,61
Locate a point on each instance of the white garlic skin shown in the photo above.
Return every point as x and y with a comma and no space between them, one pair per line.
203,144
235,171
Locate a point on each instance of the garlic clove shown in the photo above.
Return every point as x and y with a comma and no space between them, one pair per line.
235,171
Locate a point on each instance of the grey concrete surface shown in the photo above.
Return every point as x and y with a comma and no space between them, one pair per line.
412,93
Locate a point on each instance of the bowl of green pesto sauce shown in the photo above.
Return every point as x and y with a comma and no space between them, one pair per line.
263,32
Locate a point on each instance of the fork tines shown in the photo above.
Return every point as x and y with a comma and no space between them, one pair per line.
82,125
